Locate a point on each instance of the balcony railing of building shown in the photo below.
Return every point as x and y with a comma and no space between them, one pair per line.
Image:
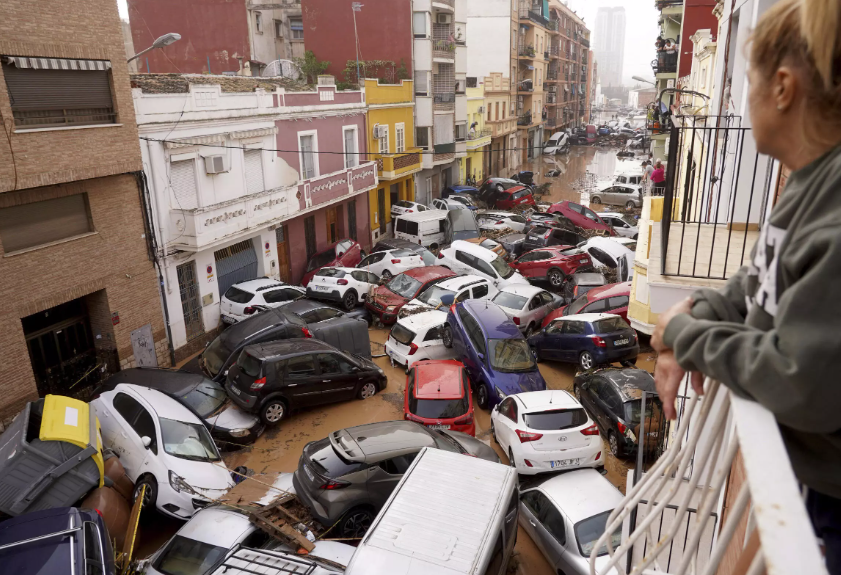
716,192
554,51
524,119
444,100
551,122
551,98
553,26
396,165
665,63
532,11
724,449
584,42
525,85
479,134
525,51
443,41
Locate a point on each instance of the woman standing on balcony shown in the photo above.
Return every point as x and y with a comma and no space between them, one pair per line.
658,179
772,333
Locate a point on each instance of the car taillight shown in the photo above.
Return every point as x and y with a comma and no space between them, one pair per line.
598,455
500,222
332,484
592,430
440,255
599,342
307,332
249,310
526,436
464,420
622,427
258,383
408,211
413,348
342,282
395,261
516,320
575,292
528,463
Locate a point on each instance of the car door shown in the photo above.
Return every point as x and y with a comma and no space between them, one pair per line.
507,423
384,476
481,291
339,378
135,422
485,269
373,263
474,346
586,391
465,262
549,343
540,515
435,343
531,312
602,400
363,283
304,385
598,306
571,340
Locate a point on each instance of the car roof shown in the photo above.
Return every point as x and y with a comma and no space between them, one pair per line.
473,249
534,401
610,290
460,281
287,347
423,320
395,243
424,216
629,382
526,290
588,317
513,190
258,323
496,324
581,494
374,442
611,246
427,273
253,286
167,380
588,278
217,526
304,305
164,405
439,379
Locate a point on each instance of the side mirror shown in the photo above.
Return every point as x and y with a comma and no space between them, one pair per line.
543,331
355,369
448,299
146,441
481,356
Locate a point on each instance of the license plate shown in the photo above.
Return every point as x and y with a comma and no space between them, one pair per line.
226,319
235,390
619,342
563,463
321,288
438,426
309,473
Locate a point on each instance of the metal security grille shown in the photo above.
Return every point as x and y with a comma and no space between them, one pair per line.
190,304
309,236
351,219
234,264
182,177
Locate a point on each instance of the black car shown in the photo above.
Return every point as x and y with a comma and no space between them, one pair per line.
429,258
315,312
59,540
227,423
580,283
272,379
541,237
612,397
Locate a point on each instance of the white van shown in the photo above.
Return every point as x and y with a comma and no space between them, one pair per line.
424,228
449,515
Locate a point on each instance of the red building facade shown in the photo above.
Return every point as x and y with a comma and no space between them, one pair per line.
697,15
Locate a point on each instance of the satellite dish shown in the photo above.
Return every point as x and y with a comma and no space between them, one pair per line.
283,69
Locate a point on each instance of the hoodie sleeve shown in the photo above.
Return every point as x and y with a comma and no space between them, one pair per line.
790,369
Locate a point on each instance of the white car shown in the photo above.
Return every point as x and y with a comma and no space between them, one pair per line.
448,204
467,258
566,515
346,285
620,225
459,287
463,199
418,337
163,446
546,431
219,534
610,253
244,299
390,263
494,221
526,305
406,207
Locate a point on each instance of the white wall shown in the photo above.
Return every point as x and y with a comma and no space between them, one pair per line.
489,37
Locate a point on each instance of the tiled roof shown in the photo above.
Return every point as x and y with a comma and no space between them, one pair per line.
179,83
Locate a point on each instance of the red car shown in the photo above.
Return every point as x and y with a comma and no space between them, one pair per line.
553,264
518,195
438,396
580,216
342,254
387,300
612,298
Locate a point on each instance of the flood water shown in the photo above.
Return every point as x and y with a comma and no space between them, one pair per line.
280,447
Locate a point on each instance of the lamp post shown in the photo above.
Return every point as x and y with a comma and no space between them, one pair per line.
641,79
356,7
161,42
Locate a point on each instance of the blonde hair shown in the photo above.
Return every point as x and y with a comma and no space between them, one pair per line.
805,35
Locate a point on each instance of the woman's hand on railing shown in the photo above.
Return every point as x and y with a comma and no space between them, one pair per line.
668,374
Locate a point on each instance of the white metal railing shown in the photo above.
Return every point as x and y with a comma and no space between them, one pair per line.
696,466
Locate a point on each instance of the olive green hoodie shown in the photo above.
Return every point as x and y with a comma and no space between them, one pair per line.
773,333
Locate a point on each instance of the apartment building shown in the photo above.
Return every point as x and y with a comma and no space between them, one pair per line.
79,287
611,25
533,42
570,72
218,36
477,163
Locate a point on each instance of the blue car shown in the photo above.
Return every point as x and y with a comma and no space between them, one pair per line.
496,354
588,339
604,131
469,190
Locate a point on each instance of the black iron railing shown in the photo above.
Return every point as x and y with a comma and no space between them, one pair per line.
665,63
524,119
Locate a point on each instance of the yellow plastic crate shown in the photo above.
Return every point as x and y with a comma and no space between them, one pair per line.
72,421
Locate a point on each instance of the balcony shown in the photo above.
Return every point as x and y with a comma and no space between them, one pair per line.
525,86
551,77
665,63
502,127
393,166
524,119
554,52
479,138
444,101
531,12
443,42
551,122
526,51
585,42
553,26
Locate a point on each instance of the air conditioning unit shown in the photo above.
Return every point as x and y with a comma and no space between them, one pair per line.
380,132
444,19
215,164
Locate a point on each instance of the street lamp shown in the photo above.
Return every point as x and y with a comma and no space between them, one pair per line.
641,79
161,42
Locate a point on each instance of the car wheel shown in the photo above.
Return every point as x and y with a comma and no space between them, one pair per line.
586,361
536,353
630,206
367,390
615,445
150,498
530,330
356,523
350,300
386,277
447,337
482,395
596,200
273,412
511,459
556,278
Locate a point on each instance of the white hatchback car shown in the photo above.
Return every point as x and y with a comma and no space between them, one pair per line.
349,286
244,299
491,220
389,263
620,225
418,337
611,253
406,207
526,305
459,287
448,204
163,446
546,431
467,258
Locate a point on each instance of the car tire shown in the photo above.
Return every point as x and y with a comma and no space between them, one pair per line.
355,523
556,277
447,337
630,206
386,276
273,411
150,498
577,392
614,444
586,361
350,300
596,200
367,390
536,353
482,395
530,330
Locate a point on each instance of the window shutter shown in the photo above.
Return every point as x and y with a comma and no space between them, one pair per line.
308,169
444,126
254,171
39,223
350,148
183,180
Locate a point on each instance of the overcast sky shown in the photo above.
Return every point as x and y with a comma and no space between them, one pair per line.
642,30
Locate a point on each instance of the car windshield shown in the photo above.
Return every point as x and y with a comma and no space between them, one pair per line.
236,295
511,355
520,194
653,408
206,398
185,556
429,258
188,440
432,295
611,325
509,300
502,269
576,306
321,260
404,286
588,531
555,419
402,334
215,356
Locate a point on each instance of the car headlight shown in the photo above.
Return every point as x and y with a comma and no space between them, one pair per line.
380,371
239,432
391,308
500,394
178,483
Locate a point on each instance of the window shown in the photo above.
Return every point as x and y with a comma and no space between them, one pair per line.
472,82
258,22
351,219
333,364
553,521
480,291
350,147
308,146
76,93
435,333
574,328
384,141
137,417
400,136
397,465
490,111
281,295
497,111
421,83
617,302
253,171
419,27
182,179
296,27
596,307
466,258
422,139
278,29
301,366
40,223
461,132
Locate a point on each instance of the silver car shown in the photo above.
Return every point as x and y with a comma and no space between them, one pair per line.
566,515
627,195
624,226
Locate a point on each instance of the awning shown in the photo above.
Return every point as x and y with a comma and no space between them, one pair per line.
57,63
195,141
245,134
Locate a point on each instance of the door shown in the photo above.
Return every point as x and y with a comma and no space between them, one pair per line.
507,423
332,225
234,264
468,172
143,347
283,263
303,384
339,378
136,423
544,524
571,340
550,343
435,192
381,209
191,308
384,476
393,196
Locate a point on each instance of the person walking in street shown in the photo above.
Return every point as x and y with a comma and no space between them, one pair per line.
658,179
771,334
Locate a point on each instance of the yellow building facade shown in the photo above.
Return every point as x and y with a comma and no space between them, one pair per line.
391,143
477,162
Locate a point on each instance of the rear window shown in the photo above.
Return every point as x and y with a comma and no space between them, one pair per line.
556,419
403,204
330,273
402,254
186,556
326,462
633,408
321,260
437,408
402,334
520,194
610,325
249,364
509,300
236,295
